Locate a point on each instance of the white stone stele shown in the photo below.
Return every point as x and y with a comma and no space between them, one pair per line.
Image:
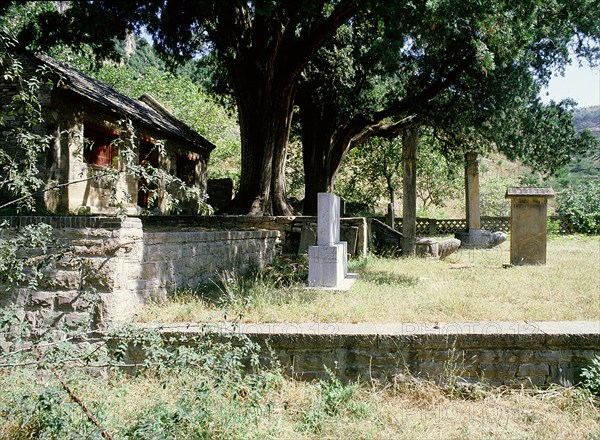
328,261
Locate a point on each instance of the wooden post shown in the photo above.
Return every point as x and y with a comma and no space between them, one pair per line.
410,142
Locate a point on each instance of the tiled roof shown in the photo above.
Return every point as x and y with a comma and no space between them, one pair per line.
145,112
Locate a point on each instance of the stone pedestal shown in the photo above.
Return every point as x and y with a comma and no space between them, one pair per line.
327,265
528,220
327,262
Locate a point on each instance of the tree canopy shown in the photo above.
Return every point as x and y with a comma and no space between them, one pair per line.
471,70
359,69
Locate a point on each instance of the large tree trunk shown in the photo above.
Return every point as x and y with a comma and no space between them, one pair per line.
264,56
316,154
322,156
265,115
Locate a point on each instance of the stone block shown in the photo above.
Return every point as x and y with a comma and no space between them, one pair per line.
41,299
497,371
308,237
533,370
326,265
349,235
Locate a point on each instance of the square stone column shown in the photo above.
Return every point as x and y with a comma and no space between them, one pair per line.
528,221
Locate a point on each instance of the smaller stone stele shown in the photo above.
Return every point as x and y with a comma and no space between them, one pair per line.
528,222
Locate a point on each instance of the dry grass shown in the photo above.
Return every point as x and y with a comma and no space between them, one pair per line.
421,409
408,409
471,285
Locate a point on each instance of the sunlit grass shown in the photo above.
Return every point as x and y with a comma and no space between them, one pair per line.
405,409
471,285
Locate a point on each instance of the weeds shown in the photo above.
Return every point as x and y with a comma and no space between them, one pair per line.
471,285
591,376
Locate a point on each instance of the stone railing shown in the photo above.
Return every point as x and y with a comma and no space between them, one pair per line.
429,227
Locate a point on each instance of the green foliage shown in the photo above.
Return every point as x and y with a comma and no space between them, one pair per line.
221,391
591,376
553,227
25,254
333,399
439,179
374,170
23,147
492,191
581,205
360,180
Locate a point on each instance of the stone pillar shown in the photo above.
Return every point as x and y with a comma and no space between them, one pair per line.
474,237
472,191
327,262
410,143
528,220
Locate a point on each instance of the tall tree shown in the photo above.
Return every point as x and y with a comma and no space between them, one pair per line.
264,45
472,69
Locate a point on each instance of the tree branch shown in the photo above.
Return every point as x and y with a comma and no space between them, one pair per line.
52,188
81,404
308,46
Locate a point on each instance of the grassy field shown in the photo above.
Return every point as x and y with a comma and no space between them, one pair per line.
187,404
471,285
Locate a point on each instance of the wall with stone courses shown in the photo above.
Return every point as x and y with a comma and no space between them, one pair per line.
289,227
513,360
128,263
498,359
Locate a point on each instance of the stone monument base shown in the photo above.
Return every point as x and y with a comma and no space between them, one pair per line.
327,267
480,238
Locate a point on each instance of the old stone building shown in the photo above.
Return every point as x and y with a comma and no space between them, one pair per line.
85,119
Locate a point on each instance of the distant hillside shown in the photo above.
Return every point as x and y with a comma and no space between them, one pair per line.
588,118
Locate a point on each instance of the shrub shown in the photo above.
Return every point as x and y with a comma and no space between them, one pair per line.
581,205
591,376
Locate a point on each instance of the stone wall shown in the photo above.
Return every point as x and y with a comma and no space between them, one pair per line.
296,232
512,354
127,263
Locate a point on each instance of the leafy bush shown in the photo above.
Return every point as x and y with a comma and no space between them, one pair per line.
333,399
591,376
581,205
58,385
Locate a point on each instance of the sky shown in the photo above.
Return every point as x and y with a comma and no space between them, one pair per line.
582,83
